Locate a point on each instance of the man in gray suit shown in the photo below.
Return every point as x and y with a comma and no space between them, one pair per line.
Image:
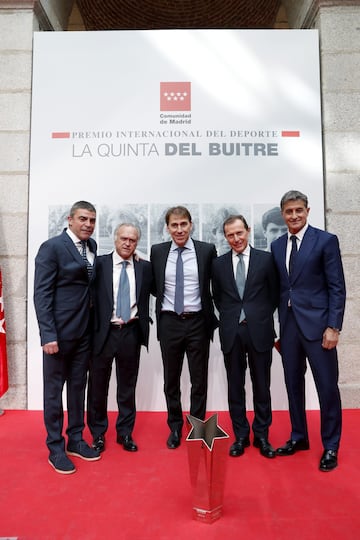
185,315
245,289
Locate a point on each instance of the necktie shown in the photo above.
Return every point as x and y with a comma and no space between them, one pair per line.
240,281
123,297
179,283
292,253
89,267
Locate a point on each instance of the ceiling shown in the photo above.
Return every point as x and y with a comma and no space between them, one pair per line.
163,14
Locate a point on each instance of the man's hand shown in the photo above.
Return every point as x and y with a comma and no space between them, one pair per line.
51,348
330,338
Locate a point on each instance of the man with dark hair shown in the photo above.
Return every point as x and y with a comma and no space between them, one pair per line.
245,289
64,271
185,315
122,290
273,225
311,311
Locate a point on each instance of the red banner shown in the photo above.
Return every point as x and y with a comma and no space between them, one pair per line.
4,380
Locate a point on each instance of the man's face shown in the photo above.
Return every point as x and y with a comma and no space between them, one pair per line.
295,215
179,228
237,236
82,223
274,231
126,241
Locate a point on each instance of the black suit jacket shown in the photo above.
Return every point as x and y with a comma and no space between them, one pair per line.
62,289
205,253
104,299
259,300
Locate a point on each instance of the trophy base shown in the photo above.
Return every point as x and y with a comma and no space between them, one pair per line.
207,516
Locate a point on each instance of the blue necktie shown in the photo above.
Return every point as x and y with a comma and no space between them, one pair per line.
179,283
240,281
123,297
89,267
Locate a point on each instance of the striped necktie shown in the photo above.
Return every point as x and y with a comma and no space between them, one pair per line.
89,267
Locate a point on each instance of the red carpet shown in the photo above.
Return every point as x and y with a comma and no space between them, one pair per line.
146,495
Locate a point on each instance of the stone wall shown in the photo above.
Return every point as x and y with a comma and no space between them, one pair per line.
339,25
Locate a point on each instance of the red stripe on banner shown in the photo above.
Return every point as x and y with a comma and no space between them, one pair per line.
4,380
290,133
60,135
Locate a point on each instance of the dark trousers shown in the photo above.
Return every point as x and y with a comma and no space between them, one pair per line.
123,345
324,366
177,337
70,366
236,361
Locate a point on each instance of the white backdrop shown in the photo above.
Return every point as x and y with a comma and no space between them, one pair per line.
137,121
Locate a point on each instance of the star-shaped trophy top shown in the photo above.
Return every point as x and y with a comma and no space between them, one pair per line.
206,430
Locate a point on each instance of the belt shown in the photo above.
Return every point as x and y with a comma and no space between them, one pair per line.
119,326
184,315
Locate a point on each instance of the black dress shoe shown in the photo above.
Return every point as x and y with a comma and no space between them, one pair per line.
265,447
238,447
99,443
127,442
328,460
290,447
174,440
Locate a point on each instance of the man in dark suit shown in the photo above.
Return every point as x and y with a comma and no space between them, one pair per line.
185,315
118,335
245,289
64,271
311,311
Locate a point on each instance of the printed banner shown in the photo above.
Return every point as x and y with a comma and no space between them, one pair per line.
221,121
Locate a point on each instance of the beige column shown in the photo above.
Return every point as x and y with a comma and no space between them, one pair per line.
338,22
18,20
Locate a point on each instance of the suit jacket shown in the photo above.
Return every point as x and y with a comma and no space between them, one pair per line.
62,289
104,299
316,288
205,253
259,299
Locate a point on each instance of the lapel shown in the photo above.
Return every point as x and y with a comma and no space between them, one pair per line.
72,249
251,270
227,271
108,277
138,269
305,250
279,251
200,263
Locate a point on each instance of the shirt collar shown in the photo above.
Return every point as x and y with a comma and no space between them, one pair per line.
246,252
300,234
73,236
117,259
189,244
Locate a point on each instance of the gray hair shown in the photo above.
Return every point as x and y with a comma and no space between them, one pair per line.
293,195
138,230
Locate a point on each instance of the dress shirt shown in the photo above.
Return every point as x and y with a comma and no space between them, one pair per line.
192,300
246,259
117,260
299,236
89,254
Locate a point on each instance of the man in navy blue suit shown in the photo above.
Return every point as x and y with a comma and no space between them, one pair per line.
64,271
311,311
